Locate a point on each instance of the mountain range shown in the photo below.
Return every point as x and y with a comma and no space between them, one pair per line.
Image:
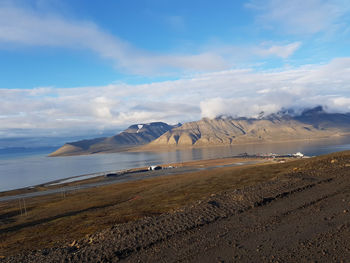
135,135
281,126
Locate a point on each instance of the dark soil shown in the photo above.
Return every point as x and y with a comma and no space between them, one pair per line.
303,216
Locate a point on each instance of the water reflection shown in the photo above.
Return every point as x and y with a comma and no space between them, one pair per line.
31,170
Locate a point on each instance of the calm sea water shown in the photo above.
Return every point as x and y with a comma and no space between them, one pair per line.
22,169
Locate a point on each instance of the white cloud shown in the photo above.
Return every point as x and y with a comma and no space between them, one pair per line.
299,16
282,51
340,103
26,27
242,92
237,107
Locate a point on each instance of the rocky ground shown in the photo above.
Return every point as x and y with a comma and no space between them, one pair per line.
302,216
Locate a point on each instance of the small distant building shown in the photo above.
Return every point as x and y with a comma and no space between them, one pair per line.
154,168
298,155
272,155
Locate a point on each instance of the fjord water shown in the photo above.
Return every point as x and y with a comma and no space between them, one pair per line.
20,169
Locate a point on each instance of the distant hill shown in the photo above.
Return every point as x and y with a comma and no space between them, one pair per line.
135,135
278,127
311,124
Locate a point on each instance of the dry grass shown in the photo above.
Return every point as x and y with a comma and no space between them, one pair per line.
55,219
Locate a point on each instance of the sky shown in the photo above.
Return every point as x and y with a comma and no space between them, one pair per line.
71,67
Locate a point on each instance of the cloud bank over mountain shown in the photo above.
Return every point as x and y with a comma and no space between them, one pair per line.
243,92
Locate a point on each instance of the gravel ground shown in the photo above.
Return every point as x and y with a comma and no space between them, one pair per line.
299,217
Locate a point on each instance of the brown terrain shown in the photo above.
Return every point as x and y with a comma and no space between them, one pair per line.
230,131
296,211
311,124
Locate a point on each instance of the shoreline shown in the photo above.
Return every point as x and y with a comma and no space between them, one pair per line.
98,179
92,177
164,148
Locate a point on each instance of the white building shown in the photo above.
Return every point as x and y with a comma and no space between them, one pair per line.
298,154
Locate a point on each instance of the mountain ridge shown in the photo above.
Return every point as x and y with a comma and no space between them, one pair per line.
135,135
284,125
310,124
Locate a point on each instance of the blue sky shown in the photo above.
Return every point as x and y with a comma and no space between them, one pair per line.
69,66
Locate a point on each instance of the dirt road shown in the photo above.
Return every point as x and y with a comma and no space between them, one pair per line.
303,216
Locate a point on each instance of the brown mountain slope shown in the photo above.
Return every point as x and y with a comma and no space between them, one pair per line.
135,135
311,124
